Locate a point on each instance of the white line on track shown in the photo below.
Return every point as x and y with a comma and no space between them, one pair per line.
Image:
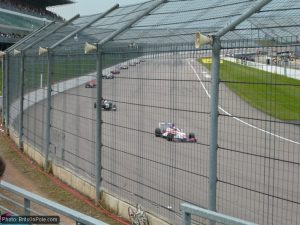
206,74
248,124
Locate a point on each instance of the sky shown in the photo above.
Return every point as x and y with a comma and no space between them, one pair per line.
89,7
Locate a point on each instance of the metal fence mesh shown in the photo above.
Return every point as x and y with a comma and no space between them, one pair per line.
139,165
14,92
260,163
152,73
73,118
34,104
256,150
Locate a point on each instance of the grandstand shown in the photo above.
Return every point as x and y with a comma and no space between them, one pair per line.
19,19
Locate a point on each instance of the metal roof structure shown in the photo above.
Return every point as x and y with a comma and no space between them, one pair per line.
17,22
173,21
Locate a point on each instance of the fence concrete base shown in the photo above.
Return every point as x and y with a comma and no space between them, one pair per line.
33,154
74,181
153,220
121,208
14,136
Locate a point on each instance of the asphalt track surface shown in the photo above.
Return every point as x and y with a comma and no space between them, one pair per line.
255,155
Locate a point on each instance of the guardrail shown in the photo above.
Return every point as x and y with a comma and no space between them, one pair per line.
79,218
188,210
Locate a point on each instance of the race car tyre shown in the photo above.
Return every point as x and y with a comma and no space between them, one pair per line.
170,137
87,86
114,108
110,105
191,135
183,140
157,132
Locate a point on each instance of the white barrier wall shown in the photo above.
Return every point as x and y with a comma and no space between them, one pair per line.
289,72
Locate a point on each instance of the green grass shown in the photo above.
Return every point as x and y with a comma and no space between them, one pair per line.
65,68
274,94
62,70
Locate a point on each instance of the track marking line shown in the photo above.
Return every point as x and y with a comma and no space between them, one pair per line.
248,124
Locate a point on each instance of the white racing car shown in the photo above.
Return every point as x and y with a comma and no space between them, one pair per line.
172,133
107,105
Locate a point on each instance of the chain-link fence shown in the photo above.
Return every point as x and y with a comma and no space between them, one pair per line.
134,116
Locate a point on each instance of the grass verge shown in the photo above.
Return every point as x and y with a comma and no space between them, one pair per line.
274,94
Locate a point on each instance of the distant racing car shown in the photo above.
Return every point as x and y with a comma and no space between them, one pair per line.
108,76
124,67
171,133
107,105
115,71
91,84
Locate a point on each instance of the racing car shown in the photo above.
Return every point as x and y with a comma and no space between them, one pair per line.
91,84
108,76
172,133
115,71
124,67
107,105
132,64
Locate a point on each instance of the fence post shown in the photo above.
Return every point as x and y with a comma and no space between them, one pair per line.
3,82
186,220
99,123
26,207
6,92
214,102
48,118
21,113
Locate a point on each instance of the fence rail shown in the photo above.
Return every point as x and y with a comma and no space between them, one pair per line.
29,198
188,210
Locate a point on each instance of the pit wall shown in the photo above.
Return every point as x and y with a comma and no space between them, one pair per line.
110,202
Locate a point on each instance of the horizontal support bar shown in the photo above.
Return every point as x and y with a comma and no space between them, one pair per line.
242,17
84,27
77,216
211,215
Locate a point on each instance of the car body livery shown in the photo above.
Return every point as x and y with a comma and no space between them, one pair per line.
115,71
124,67
107,105
108,76
91,84
171,133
